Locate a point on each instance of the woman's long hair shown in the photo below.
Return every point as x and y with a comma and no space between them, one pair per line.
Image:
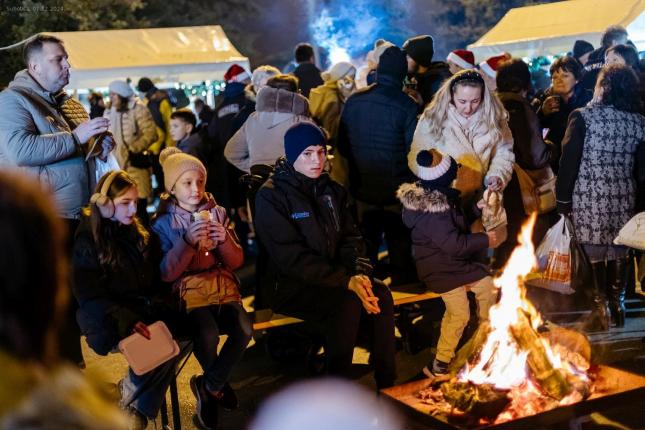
33,270
493,113
104,230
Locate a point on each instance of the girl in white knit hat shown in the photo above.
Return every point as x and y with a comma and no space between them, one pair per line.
200,252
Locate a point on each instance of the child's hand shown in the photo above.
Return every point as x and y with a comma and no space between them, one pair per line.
217,232
197,232
493,240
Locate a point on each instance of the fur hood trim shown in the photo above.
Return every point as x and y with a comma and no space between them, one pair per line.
279,100
414,197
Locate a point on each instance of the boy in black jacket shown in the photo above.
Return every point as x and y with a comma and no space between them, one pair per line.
317,256
445,249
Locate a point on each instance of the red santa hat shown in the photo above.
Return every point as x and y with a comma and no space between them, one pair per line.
491,64
236,73
463,58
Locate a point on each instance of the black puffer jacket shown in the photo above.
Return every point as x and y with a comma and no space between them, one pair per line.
309,234
113,299
444,249
375,135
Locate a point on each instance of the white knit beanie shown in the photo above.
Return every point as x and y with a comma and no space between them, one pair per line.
429,164
175,163
121,88
339,71
261,75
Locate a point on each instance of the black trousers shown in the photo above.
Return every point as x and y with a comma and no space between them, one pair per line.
337,313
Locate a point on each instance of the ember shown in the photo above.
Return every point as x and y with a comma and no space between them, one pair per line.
514,367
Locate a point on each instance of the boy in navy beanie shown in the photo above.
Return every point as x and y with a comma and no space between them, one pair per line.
300,137
445,250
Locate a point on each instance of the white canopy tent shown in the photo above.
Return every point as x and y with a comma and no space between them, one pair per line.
177,54
553,28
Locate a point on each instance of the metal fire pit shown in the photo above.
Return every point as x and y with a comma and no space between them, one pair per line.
612,387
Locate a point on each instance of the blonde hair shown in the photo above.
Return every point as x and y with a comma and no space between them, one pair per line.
493,113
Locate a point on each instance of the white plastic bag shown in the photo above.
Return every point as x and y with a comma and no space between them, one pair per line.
554,260
103,167
633,233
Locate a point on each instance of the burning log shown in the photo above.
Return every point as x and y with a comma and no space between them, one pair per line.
478,400
549,378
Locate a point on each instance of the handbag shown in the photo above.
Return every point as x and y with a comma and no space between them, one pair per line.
140,160
633,233
537,188
213,286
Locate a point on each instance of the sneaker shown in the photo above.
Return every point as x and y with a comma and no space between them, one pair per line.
136,420
438,368
206,411
227,398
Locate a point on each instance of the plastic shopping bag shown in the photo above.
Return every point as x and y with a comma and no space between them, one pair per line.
103,167
554,260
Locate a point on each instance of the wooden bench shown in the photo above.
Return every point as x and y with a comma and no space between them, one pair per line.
266,319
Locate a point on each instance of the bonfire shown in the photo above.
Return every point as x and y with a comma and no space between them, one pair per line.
513,366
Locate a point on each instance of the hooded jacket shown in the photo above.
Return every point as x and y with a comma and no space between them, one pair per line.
182,261
443,247
375,134
36,136
310,236
261,138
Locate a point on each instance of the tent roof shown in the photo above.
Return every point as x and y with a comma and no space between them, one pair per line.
187,54
550,29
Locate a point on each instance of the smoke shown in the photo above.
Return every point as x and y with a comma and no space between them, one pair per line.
348,29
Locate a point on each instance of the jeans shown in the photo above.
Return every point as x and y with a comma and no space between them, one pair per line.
337,313
143,392
207,324
457,314
146,392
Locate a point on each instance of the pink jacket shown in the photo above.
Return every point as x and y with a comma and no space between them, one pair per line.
180,260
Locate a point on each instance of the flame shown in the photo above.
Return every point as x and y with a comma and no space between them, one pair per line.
501,362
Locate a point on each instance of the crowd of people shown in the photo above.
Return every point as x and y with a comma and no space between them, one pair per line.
344,164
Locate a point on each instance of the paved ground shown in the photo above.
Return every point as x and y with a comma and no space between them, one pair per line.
259,375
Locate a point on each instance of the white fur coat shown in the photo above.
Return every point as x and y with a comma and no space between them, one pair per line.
470,143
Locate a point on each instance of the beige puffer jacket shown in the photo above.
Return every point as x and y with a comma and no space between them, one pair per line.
134,129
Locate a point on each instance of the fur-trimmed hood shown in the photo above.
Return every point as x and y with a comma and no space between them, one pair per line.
279,100
276,106
414,197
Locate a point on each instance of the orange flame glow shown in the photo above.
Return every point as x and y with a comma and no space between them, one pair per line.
501,362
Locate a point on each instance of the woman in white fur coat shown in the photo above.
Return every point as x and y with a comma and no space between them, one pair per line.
466,121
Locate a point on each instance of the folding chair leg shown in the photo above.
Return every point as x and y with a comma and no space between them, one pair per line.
174,401
164,415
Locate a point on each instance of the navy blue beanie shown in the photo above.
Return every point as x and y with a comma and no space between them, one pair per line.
300,137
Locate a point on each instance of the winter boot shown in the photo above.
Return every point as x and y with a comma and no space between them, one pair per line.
617,277
598,320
